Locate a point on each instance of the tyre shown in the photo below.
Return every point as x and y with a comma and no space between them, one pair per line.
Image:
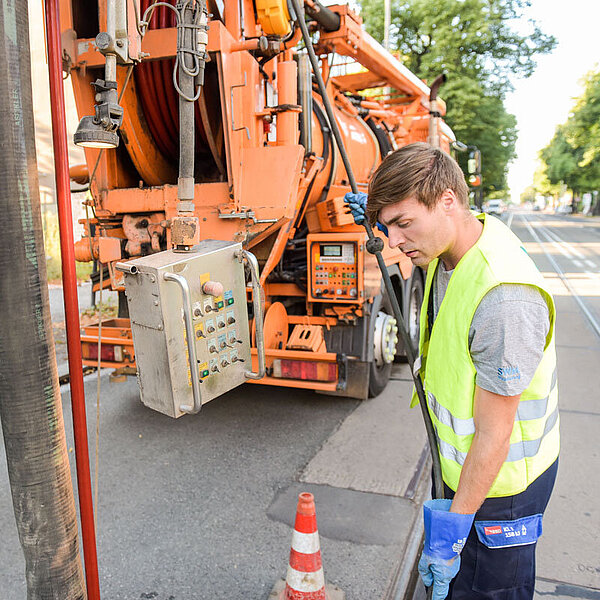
382,339
413,299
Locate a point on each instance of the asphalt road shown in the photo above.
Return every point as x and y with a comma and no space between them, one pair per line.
566,249
202,507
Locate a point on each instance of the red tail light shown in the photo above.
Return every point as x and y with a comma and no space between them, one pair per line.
304,369
108,352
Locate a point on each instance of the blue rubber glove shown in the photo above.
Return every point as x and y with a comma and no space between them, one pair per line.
382,228
357,203
445,537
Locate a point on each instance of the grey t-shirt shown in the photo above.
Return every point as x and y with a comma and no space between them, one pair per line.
507,334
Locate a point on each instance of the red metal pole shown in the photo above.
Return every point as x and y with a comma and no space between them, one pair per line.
69,276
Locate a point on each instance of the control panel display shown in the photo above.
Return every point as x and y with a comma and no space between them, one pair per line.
334,271
329,250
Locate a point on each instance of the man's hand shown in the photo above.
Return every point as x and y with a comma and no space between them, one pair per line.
439,573
357,203
445,537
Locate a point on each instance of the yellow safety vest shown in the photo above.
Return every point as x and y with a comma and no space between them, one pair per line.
449,374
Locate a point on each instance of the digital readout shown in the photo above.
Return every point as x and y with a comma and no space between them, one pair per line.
331,250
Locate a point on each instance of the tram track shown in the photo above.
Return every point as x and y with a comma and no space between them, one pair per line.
571,253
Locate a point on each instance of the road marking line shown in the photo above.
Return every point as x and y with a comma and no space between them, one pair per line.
561,247
510,219
558,246
564,279
567,245
590,263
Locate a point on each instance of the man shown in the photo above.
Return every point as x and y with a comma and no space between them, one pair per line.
489,371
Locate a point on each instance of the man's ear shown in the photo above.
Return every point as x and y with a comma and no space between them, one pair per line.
448,200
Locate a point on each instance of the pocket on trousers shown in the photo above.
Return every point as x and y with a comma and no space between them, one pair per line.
505,534
506,553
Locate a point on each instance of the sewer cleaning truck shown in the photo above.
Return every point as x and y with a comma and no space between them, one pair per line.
216,187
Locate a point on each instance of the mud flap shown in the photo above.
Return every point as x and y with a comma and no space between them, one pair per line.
356,378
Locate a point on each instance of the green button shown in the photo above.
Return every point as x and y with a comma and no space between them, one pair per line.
229,301
205,373
220,304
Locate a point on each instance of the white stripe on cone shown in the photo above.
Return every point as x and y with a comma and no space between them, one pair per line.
305,582
306,543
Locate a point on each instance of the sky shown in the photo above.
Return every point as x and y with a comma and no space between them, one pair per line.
545,99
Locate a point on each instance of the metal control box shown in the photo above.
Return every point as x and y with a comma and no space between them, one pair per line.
203,292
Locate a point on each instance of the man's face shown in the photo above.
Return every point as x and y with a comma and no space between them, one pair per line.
423,234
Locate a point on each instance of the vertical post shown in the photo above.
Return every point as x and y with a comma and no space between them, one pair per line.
185,182
387,19
63,193
287,93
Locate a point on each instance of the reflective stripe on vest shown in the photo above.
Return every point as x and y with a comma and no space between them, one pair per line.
526,411
516,451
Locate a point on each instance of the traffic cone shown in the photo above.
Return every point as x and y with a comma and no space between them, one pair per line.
305,579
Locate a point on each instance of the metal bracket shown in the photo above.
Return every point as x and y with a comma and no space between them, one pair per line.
233,127
246,214
342,361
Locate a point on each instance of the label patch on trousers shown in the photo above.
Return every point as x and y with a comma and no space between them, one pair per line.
504,534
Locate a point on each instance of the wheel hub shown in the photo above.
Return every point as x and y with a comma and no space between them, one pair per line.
385,338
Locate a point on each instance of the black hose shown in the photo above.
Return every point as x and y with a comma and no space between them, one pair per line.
375,245
30,404
325,17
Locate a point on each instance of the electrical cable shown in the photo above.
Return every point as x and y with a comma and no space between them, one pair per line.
374,246
182,50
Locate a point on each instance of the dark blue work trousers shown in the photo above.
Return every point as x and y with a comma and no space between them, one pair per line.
502,573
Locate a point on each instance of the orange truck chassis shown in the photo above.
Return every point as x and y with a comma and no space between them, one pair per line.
268,175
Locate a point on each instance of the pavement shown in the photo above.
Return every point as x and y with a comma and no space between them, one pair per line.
202,507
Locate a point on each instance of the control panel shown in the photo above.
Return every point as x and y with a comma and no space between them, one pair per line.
189,321
335,267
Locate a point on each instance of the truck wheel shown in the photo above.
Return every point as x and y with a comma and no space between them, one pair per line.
412,306
384,337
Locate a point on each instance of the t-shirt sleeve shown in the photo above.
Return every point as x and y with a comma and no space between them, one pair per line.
507,337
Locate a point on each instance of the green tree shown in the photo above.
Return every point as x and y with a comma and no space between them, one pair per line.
583,126
474,42
571,157
528,194
561,160
542,185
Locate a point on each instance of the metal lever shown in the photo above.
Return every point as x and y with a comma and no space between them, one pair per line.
191,346
258,315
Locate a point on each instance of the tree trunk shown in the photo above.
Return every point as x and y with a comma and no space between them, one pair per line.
30,405
596,205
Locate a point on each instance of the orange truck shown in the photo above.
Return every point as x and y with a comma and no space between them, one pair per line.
267,172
